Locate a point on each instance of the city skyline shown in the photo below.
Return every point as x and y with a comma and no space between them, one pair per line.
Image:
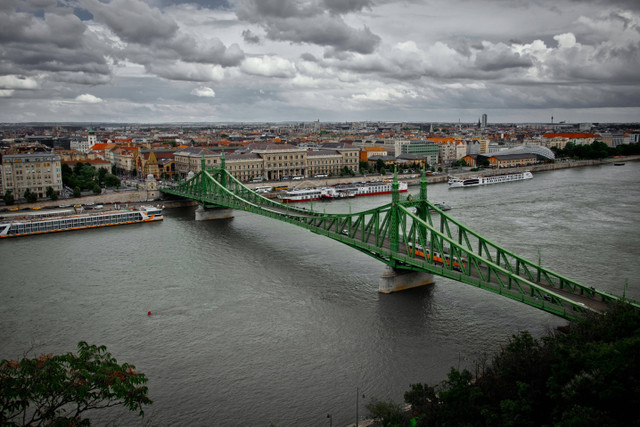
361,60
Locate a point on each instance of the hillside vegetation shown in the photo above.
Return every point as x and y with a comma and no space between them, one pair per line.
585,375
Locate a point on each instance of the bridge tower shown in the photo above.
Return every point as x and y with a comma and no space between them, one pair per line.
207,212
396,279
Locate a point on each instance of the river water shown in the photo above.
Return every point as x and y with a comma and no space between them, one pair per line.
257,322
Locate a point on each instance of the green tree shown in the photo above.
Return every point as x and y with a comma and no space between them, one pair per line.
102,173
56,390
379,165
387,414
424,403
364,166
65,169
78,167
346,171
77,192
96,189
51,193
30,196
8,198
111,180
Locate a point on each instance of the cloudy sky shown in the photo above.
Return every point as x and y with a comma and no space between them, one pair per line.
329,60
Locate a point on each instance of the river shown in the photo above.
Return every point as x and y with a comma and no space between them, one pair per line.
257,322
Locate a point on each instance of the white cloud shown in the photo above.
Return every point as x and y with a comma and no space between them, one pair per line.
187,71
566,40
18,82
269,66
88,98
203,91
5,93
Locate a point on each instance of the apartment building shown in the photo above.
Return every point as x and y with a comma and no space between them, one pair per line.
34,172
428,149
324,162
280,160
271,161
190,159
366,152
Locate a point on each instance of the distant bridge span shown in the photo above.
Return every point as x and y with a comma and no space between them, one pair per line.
411,234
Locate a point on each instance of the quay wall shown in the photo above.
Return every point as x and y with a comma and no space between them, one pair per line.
133,197
149,196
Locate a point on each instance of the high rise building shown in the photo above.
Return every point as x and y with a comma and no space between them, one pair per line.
484,120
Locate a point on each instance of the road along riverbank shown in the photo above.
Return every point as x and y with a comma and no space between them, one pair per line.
137,197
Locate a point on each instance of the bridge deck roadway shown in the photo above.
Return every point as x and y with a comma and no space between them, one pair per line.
598,305
585,300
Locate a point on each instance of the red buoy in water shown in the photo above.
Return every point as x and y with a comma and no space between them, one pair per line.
148,313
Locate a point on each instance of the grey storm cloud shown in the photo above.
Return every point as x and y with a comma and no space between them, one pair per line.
55,42
317,56
501,59
317,23
329,32
152,36
250,37
133,21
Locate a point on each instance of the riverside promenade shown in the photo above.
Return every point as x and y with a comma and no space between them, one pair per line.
146,196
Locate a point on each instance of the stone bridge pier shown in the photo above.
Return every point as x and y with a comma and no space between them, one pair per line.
394,280
205,214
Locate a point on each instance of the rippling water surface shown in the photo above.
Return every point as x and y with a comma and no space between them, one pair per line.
257,322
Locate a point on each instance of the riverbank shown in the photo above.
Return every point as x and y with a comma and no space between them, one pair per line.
141,197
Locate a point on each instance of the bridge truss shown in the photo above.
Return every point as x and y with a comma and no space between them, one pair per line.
412,234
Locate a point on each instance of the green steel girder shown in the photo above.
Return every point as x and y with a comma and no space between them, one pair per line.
393,234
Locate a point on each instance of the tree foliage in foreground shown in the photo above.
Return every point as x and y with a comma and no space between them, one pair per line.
56,390
586,376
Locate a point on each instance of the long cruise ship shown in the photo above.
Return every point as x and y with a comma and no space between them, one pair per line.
67,220
485,180
356,189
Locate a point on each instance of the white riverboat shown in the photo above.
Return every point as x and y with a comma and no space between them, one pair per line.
371,188
307,194
24,224
339,191
486,180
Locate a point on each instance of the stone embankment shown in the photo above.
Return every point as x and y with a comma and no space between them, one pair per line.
128,197
153,196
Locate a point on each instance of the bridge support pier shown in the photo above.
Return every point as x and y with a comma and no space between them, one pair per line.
394,280
203,214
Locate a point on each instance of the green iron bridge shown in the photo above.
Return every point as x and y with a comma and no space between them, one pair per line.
411,234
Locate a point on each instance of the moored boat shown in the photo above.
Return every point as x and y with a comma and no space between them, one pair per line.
371,188
68,219
306,195
339,191
486,180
